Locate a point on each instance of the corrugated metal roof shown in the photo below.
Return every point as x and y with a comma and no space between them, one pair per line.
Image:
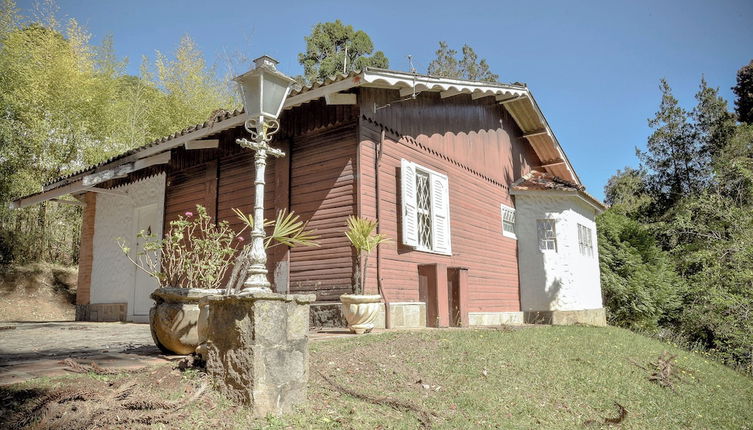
218,117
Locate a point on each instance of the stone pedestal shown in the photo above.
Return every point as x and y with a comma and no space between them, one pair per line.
256,349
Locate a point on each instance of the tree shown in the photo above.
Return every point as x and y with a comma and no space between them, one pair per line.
468,67
674,158
627,193
66,104
712,240
744,93
333,47
8,18
713,124
734,167
191,90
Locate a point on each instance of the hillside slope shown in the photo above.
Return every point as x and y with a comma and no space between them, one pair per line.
38,292
541,377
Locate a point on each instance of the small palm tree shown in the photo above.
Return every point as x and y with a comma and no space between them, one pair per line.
361,233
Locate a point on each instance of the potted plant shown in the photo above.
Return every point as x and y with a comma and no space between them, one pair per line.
191,261
360,310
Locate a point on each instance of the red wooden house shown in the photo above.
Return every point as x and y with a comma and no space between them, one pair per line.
489,221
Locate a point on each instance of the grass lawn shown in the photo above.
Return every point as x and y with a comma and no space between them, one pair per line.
541,377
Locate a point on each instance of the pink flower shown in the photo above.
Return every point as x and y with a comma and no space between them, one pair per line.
240,238
189,214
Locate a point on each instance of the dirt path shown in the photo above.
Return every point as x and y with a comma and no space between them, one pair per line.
29,349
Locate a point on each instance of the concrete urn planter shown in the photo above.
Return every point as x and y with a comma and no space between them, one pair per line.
174,318
360,311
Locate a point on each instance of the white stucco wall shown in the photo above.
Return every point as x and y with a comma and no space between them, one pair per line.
113,274
564,280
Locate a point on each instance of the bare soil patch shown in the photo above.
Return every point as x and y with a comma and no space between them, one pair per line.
133,400
38,292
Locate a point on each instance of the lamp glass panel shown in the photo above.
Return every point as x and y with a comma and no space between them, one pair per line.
274,90
251,87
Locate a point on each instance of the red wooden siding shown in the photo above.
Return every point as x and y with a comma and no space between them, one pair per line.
322,192
475,144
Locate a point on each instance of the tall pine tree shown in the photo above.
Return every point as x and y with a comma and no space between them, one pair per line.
674,158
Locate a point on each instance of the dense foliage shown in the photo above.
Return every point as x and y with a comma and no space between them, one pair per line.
448,65
333,47
677,242
66,104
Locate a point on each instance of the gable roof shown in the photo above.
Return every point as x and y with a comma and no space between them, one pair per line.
535,182
516,98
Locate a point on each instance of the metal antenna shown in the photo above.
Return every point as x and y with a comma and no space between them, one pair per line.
410,64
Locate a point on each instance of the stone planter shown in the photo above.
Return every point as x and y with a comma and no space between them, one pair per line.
174,318
360,311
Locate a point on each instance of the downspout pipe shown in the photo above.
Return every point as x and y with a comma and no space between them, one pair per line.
377,163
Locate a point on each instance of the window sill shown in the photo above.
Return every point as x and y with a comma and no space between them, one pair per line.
430,251
509,235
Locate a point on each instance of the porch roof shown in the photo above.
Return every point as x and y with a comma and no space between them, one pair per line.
516,98
536,182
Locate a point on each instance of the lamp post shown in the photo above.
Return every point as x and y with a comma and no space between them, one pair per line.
264,90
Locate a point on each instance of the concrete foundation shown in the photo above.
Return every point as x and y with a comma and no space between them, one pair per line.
256,349
594,317
101,312
495,318
403,315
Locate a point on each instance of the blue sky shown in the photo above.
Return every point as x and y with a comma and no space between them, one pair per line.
594,66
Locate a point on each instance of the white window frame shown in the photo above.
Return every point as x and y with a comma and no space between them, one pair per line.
585,241
508,215
439,198
553,239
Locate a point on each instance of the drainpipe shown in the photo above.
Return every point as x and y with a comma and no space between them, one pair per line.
380,288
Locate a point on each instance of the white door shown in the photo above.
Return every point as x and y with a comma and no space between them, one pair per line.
146,218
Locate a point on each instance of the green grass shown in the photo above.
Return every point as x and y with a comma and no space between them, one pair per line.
542,377
548,377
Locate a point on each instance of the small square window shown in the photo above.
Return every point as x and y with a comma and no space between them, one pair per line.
508,221
547,234
585,241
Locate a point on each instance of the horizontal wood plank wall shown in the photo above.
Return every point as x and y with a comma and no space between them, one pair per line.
322,192
477,145
191,181
236,190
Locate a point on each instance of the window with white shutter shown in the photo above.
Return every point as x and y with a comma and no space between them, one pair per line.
408,201
426,209
508,221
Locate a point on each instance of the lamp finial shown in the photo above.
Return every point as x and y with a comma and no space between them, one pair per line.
266,61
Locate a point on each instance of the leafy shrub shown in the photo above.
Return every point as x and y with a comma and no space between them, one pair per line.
639,285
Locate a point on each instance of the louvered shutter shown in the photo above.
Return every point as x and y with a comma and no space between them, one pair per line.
408,202
440,201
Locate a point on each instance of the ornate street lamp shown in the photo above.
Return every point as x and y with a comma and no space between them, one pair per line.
264,90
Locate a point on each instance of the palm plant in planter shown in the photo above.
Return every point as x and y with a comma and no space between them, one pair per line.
360,310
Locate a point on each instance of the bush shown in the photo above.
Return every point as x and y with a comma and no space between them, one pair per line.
640,287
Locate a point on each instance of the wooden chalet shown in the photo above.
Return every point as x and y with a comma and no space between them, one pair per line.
445,165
